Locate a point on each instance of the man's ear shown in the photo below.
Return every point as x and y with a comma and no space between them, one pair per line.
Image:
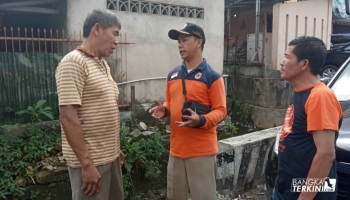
96,29
305,64
200,41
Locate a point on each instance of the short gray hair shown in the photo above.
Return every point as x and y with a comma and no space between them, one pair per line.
103,17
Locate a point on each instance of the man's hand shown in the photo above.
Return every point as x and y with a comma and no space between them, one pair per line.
91,180
192,120
158,112
122,158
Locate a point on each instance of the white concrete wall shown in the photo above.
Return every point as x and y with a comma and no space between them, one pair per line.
154,54
290,20
241,161
77,11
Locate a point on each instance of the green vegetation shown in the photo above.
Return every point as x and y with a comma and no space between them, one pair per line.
239,110
37,112
231,127
20,154
145,156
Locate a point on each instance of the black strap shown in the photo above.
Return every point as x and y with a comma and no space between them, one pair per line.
184,92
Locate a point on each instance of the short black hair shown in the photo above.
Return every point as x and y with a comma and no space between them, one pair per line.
103,17
311,48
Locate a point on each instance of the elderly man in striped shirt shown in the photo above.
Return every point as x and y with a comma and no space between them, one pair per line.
89,112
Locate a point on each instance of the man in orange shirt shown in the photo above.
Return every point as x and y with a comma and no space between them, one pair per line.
193,142
306,152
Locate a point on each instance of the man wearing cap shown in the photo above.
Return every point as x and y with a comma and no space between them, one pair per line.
193,141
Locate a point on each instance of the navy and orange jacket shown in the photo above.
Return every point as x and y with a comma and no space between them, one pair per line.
205,86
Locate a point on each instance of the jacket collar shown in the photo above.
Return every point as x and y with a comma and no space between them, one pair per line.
201,66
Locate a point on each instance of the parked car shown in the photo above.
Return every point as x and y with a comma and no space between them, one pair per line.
340,85
335,58
340,38
337,55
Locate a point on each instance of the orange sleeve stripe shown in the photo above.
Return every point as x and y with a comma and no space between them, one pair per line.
323,110
167,97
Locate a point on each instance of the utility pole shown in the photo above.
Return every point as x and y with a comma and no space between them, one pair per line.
257,26
228,20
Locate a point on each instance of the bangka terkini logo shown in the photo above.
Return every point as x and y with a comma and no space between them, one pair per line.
313,185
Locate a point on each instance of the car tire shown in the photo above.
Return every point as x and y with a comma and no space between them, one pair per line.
271,173
328,70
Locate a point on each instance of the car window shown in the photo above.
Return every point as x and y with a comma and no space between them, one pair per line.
341,85
347,48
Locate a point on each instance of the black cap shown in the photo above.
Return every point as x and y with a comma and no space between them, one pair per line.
187,29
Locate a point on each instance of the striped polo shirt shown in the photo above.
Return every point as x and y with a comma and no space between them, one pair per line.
86,81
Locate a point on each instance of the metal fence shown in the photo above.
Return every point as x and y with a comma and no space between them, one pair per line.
237,31
28,60
26,78
37,40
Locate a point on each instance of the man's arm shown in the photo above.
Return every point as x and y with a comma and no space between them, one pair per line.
217,99
74,135
324,157
323,114
166,103
70,79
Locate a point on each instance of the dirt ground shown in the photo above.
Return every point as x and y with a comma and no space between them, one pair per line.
257,193
254,194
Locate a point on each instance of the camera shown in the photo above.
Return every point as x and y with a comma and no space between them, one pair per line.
196,107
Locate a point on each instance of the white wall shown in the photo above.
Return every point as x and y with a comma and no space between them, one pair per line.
290,20
154,54
77,11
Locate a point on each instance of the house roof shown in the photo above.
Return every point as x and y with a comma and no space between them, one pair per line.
241,4
29,6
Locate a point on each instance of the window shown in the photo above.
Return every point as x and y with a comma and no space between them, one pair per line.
155,8
341,85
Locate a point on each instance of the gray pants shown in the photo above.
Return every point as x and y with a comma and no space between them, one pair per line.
196,174
111,182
